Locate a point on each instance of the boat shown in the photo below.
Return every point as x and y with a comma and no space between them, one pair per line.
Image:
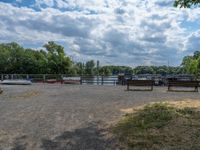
71,80
51,81
17,82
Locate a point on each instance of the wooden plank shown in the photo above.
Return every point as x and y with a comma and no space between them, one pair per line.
140,83
184,83
194,84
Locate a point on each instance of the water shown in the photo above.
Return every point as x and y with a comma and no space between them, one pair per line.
99,80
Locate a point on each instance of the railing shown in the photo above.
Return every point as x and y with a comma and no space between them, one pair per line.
63,78
79,79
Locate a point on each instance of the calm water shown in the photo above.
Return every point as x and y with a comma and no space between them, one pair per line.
95,80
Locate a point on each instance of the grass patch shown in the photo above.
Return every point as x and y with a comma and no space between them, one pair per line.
160,126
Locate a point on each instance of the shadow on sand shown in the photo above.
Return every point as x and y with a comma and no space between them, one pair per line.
88,138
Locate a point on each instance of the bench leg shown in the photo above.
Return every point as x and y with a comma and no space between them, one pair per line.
196,89
168,88
127,87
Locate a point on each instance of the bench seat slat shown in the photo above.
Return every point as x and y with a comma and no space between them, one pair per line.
194,84
140,83
183,83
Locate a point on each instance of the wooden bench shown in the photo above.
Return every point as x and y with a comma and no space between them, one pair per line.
194,84
149,83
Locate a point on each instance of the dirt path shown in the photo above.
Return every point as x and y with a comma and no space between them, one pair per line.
68,116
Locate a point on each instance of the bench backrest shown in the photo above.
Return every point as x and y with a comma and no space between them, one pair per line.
140,82
183,83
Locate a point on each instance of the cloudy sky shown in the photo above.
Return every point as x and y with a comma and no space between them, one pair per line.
119,32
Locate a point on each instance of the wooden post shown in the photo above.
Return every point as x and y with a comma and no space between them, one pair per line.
60,78
81,80
101,80
1,77
97,79
27,77
44,78
168,87
127,86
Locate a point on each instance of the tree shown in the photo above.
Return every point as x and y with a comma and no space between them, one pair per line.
196,55
89,67
58,62
105,71
79,66
186,3
4,59
144,70
191,64
162,71
18,60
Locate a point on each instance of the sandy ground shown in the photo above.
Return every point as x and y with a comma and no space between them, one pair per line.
73,117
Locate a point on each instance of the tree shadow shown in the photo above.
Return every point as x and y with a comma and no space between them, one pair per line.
20,143
88,138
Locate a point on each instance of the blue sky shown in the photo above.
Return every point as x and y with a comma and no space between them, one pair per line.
118,32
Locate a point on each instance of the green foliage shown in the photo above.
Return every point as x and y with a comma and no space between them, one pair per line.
191,64
57,60
105,71
186,3
16,59
115,70
89,67
144,70
163,70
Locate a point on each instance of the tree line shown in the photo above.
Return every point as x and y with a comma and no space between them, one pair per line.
186,3
14,59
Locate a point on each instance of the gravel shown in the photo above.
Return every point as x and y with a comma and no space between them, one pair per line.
74,117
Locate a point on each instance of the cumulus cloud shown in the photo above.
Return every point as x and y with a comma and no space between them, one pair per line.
115,32
193,41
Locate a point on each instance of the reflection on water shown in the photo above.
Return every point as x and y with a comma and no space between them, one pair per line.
100,80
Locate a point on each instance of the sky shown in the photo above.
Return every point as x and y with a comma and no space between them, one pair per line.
115,32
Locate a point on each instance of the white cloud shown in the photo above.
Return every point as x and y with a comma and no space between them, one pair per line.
40,3
120,32
192,42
